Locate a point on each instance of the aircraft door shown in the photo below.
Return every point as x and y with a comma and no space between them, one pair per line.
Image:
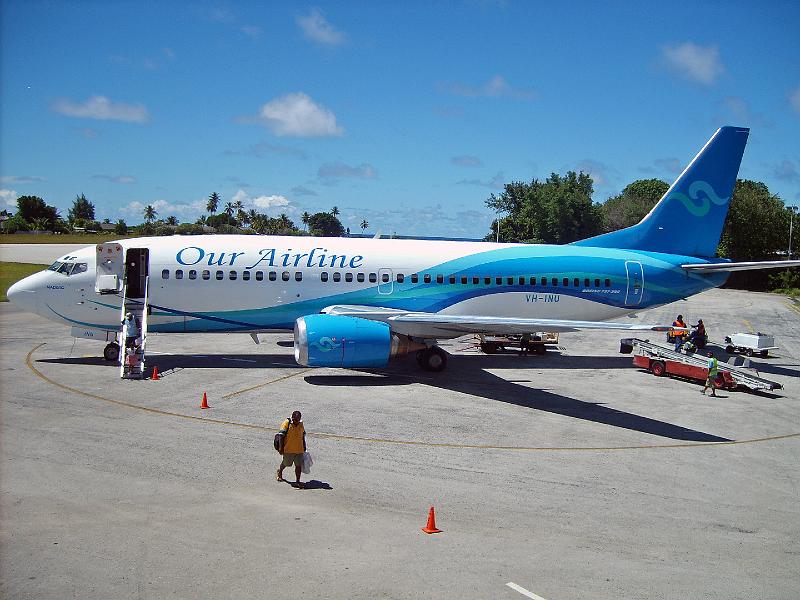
385,281
137,267
633,295
110,268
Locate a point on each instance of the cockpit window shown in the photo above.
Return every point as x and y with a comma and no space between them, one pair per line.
68,268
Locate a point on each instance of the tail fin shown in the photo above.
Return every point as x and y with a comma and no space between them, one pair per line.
688,219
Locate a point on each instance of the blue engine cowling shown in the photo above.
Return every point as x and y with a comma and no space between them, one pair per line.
339,341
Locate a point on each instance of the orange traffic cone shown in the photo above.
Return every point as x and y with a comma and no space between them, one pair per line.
204,403
431,526
155,376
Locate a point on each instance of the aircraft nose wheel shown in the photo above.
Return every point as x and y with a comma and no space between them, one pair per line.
432,359
111,351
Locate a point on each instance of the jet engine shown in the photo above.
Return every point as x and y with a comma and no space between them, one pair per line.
348,342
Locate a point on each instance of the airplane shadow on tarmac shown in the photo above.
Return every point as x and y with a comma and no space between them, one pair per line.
465,374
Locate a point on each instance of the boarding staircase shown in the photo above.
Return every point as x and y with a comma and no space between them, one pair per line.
132,359
743,375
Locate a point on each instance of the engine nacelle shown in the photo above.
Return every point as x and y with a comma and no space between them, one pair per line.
348,342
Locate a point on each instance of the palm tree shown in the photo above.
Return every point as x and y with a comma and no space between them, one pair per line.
242,216
251,215
150,213
172,220
285,222
229,209
213,203
335,211
364,225
305,218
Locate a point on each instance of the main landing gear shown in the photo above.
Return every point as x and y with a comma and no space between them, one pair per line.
111,352
432,359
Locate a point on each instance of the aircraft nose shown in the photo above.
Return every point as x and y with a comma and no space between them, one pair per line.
22,294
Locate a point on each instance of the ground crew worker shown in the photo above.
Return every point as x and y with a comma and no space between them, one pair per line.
713,370
293,444
131,330
678,336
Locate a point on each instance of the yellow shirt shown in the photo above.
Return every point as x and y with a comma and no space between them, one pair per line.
294,437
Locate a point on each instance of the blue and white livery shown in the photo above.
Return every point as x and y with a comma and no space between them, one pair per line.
359,302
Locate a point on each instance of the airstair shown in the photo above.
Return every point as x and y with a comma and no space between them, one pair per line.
742,375
124,272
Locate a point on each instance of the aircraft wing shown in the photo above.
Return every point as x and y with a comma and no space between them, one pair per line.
740,266
436,325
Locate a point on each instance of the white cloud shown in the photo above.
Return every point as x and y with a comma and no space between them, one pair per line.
116,178
9,197
166,209
496,87
466,161
100,107
298,115
794,99
338,170
318,29
266,203
18,179
701,64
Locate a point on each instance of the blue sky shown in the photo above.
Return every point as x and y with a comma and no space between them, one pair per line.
408,115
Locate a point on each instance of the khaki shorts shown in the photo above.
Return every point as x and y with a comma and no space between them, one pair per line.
296,459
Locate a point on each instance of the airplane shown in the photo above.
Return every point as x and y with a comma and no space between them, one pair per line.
356,303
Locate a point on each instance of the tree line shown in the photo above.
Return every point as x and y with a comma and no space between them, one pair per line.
559,210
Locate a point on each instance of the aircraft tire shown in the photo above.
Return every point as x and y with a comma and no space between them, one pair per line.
432,359
111,352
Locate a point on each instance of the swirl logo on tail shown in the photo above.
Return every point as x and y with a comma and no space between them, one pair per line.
699,210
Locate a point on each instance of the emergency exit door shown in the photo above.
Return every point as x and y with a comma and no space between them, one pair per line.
633,295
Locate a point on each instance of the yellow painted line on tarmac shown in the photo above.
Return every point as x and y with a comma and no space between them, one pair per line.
266,383
352,438
748,325
793,305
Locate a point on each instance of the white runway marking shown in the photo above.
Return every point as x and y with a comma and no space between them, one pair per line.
523,591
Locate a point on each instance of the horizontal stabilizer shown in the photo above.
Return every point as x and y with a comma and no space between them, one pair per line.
740,266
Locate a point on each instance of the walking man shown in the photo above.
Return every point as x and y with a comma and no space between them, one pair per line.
713,369
131,330
293,444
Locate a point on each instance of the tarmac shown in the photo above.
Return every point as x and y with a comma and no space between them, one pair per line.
567,476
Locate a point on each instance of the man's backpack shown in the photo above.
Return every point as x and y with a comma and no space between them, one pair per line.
278,441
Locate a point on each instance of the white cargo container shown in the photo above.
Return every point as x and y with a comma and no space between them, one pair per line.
750,343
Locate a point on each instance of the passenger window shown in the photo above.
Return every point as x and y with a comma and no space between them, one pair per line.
400,278
385,278
165,274
415,278
565,282
427,278
337,276
554,281
192,274
608,283
259,275
219,275
360,277
298,276
373,277
586,282
273,276
596,283
206,274
179,274
323,276
498,280
522,281
232,275
285,276
532,281
452,279
510,280
348,277
476,280
245,275
464,280
440,279
576,282
487,281
544,281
